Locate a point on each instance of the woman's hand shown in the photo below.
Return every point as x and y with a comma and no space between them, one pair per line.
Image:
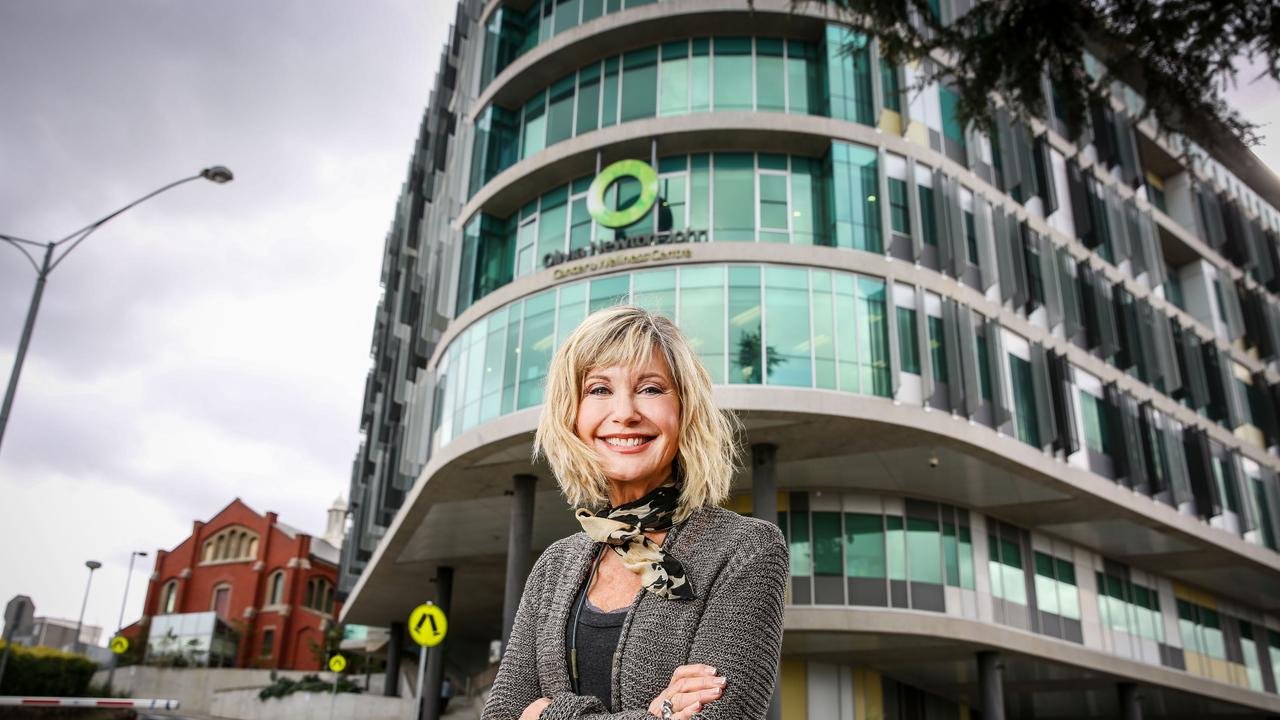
691,687
534,711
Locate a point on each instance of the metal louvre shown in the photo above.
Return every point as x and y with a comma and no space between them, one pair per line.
1265,416
1149,344
1271,491
1100,320
1149,238
1079,194
1222,387
1061,390
951,351
1179,469
1017,237
1050,280
941,217
895,352
1004,256
1072,313
987,264
1043,395
927,387
1157,467
1121,248
1130,354
1166,354
1231,305
1195,383
913,209
1127,149
1244,492
995,353
1044,174
969,360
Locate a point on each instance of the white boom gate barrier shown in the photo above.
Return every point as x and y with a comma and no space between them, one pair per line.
147,704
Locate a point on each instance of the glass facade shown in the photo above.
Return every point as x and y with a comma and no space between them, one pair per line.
750,324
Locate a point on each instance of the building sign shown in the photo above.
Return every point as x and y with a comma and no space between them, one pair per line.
617,219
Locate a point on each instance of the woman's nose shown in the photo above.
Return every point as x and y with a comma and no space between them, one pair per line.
625,408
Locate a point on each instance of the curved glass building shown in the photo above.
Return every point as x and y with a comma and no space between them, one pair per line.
1011,396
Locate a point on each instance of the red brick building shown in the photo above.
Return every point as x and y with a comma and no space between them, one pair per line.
272,584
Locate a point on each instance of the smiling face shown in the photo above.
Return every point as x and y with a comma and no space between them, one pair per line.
631,417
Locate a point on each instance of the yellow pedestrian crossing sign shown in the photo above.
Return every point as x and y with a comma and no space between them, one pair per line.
337,663
120,645
427,625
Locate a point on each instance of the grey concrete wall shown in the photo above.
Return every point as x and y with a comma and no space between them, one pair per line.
243,704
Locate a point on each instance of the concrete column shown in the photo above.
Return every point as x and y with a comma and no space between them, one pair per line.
435,656
519,545
991,685
1130,701
764,505
395,648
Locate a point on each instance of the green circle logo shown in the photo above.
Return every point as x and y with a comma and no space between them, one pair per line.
637,169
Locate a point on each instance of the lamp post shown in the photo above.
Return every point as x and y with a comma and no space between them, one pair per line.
54,253
111,672
92,565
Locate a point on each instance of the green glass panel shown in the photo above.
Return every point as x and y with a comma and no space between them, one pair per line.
511,359
924,548
536,346
675,86
971,239
733,74
535,126
588,99
804,94
864,545
699,83
610,291
855,185
734,201
928,224
984,367
950,553
773,202
1024,401
951,127
1096,437
824,346
494,345
771,161
873,338
847,334
889,87
639,84
899,212
770,81
609,96
937,349
560,111
895,547
826,544
849,75
655,290
801,557
572,310
592,9
672,206
552,223
745,341
702,315
579,225
908,340
966,558
788,341
699,192
806,199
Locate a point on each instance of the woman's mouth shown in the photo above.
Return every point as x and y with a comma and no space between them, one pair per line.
632,443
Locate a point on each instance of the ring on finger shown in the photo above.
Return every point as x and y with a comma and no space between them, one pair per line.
667,709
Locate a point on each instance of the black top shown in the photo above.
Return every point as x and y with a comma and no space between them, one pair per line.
598,634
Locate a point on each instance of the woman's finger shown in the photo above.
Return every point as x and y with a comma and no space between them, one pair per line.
688,712
694,684
681,701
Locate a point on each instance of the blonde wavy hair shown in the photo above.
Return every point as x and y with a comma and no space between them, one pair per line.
626,335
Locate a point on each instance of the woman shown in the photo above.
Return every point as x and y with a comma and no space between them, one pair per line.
666,605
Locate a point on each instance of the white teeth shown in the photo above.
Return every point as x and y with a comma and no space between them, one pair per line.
626,442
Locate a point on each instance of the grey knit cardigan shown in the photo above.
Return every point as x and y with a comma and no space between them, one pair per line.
738,568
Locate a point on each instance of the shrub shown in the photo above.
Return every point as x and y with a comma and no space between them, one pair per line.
308,683
45,671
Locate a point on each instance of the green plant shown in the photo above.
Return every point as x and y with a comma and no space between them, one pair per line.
309,683
45,671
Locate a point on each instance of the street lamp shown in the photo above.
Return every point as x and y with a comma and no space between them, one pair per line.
111,671
54,253
92,565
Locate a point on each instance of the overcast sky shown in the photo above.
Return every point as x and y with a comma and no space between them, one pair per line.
213,342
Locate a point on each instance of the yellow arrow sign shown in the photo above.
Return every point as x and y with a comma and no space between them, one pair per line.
337,663
427,625
120,645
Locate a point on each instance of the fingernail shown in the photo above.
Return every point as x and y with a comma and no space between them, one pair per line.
722,681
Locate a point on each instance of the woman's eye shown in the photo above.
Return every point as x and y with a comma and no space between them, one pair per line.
651,390
598,390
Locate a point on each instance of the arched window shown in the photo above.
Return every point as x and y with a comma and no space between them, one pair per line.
275,588
233,544
320,595
220,603
168,597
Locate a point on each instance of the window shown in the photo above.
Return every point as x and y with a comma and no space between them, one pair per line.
1024,401
889,86
937,349
747,353
928,224
639,84
849,75
1056,586
908,340
220,603
872,332
899,212
770,71
924,550
702,316
268,642
1008,580
970,238
1201,630
320,595
674,88
275,588
733,74
788,356
168,597
855,183
734,185
952,130
1097,435
864,545
232,544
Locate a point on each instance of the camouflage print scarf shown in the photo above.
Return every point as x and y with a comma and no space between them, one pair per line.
622,528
